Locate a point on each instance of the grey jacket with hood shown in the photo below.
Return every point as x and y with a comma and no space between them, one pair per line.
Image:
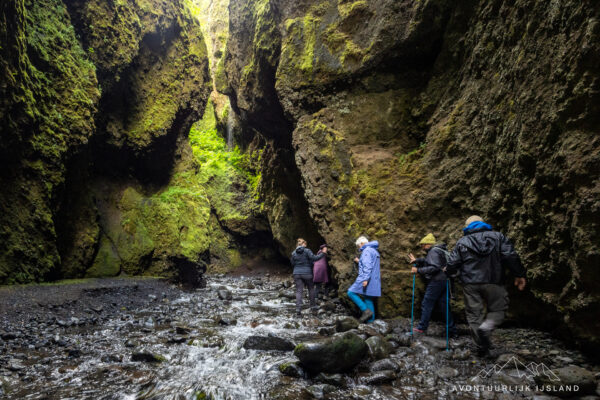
432,265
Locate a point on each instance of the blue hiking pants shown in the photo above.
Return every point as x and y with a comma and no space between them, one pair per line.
363,302
435,293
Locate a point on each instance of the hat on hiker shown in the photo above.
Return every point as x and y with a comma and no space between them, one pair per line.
429,239
321,246
473,218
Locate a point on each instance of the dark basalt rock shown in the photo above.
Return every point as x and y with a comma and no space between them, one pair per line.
339,353
268,343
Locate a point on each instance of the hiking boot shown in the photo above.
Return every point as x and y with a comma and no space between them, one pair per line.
484,342
418,332
367,314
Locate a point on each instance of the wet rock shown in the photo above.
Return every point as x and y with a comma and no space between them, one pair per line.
8,336
73,353
146,357
320,391
378,347
268,343
111,358
346,324
378,378
384,365
326,330
339,353
446,372
287,284
178,339
131,343
182,330
368,330
403,340
226,320
328,306
331,379
382,327
433,343
461,354
15,365
225,294
292,369
248,285
568,376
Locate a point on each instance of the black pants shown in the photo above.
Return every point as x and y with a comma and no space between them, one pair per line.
435,293
478,297
301,281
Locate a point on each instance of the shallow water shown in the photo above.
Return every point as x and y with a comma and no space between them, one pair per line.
206,358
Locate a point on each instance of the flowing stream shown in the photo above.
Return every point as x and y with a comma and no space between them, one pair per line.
190,345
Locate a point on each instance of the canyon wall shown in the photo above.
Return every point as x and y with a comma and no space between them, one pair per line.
406,117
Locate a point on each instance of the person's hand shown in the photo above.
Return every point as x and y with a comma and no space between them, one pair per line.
365,283
414,270
412,258
520,283
356,260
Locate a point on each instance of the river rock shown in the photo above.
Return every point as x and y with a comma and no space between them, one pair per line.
433,343
377,378
339,353
378,347
332,379
384,365
569,376
446,372
225,294
326,330
346,324
146,357
320,391
381,326
368,330
268,343
292,369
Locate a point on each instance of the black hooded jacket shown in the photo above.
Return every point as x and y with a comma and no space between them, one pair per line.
303,259
431,265
481,256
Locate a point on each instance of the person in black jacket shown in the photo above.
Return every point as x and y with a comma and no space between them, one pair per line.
432,268
480,257
302,260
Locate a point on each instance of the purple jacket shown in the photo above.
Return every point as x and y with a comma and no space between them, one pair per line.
320,270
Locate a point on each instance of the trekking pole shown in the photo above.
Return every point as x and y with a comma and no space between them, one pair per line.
412,307
447,312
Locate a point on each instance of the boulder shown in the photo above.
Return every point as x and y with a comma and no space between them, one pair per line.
292,369
339,353
146,357
377,378
225,294
379,348
268,343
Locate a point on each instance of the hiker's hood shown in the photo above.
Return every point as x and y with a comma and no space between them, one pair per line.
299,250
440,245
479,242
374,244
477,226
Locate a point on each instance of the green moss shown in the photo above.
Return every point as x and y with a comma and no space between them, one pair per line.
107,262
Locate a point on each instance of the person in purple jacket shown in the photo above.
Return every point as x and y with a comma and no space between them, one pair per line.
320,277
367,285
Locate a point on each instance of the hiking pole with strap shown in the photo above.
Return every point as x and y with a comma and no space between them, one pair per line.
412,307
447,312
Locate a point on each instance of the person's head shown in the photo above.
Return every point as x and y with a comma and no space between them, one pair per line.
323,247
473,218
301,242
361,241
427,241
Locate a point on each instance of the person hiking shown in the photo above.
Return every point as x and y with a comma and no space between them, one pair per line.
302,260
432,268
320,277
480,257
367,285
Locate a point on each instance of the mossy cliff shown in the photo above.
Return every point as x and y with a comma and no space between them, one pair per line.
405,117
105,173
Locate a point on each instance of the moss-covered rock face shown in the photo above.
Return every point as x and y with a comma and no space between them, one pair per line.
63,136
406,117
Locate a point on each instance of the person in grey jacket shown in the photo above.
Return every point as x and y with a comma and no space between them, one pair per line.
480,257
302,260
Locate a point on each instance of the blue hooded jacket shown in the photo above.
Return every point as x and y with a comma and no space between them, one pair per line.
368,270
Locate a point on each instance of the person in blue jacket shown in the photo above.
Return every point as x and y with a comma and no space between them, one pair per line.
367,285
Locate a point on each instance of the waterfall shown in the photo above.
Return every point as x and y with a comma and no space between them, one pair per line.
230,123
